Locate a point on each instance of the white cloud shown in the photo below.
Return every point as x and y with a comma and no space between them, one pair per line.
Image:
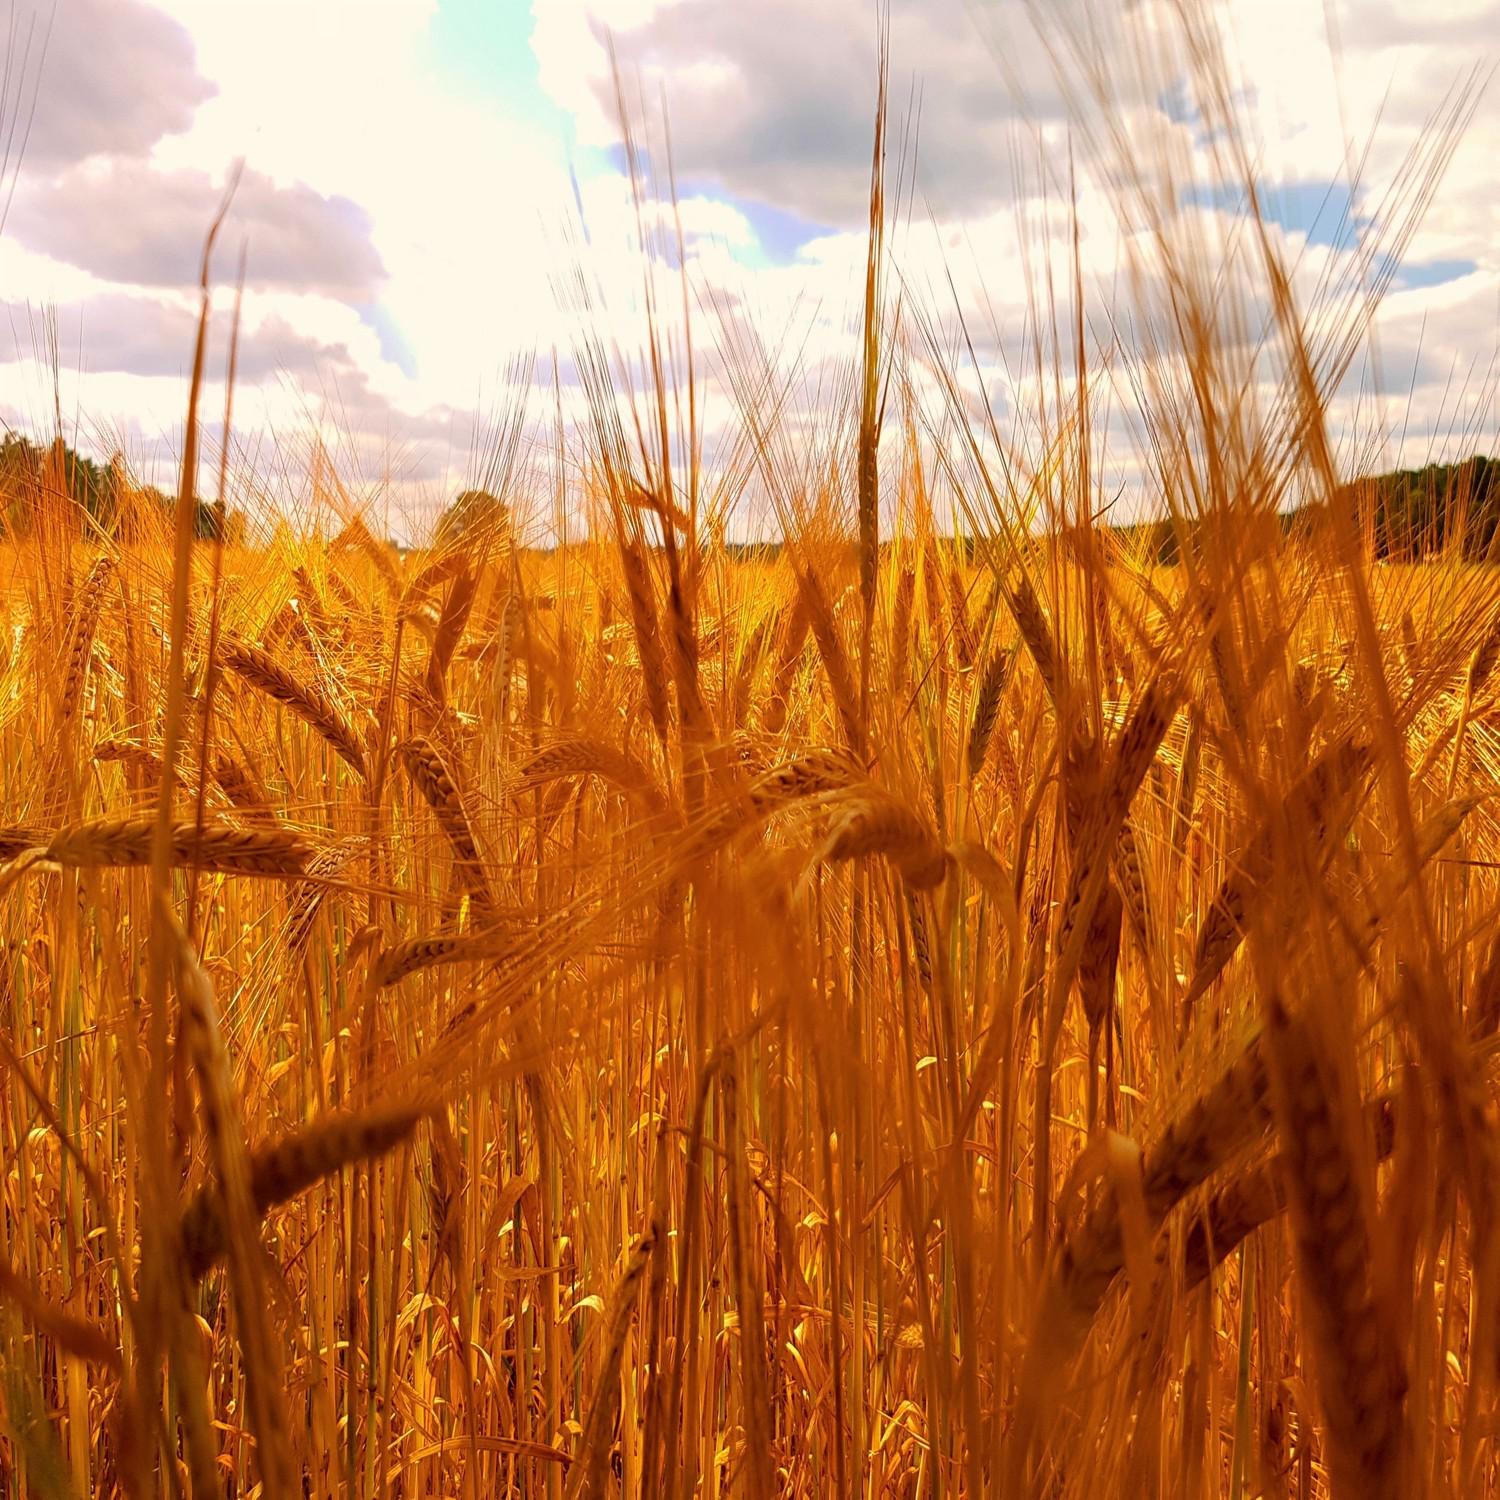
365,160
131,222
106,76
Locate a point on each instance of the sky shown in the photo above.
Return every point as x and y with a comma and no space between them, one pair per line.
425,184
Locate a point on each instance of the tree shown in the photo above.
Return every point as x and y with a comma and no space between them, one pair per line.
103,493
473,515
1412,514
29,471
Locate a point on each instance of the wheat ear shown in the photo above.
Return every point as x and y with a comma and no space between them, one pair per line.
430,775
261,670
1317,806
289,1166
874,822
1362,1379
207,846
583,755
987,707
86,610
1256,1197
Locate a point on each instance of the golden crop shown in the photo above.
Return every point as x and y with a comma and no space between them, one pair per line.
890,1016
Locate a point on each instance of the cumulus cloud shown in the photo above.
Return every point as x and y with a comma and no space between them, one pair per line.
110,76
775,101
384,232
128,333
125,221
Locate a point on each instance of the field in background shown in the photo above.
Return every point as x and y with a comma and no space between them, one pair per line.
889,1017
694,1069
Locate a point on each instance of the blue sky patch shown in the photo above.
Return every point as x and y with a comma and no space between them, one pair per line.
395,348
779,234
1433,273
1323,211
1177,105
483,49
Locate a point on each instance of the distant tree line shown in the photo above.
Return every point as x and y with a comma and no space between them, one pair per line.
1404,516
474,515
107,499
1416,513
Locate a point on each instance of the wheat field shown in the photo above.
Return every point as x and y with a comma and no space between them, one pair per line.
949,1005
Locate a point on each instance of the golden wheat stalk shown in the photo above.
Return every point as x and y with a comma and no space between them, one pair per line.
314,708
452,621
349,601
504,656
1036,633
310,601
901,614
835,659
80,642
244,791
1317,807
819,773
586,1478
146,763
430,775
1432,837
1223,1120
509,939
125,842
437,569
791,637
356,536
964,644
1132,879
750,658
1093,841
282,1169
869,821
281,627
992,685
1220,1123
641,598
308,895
131,753
17,839
584,755
1258,1195
1362,1377
1098,966
815,773
260,1349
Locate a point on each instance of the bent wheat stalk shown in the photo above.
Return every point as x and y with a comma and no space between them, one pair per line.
208,846
874,822
1318,807
581,755
1256,1197
429,773
1221,1122
1362,1380
282,1169
261,670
